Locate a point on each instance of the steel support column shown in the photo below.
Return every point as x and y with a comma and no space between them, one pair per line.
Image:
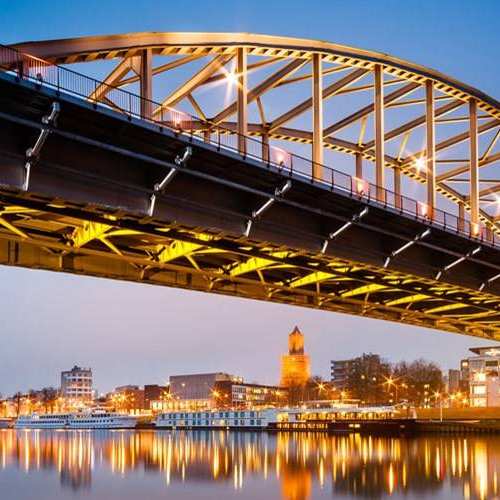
430,147
206,135
265,148
397,187
146,83
359,166
379,131
242,98
461,216
474,167
317,116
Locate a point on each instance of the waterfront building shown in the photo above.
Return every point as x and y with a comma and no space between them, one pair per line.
484,376
295,366
197,390
242,395
76,385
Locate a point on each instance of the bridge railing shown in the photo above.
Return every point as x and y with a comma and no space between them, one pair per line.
102,94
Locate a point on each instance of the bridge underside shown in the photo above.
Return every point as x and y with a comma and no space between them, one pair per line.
86,212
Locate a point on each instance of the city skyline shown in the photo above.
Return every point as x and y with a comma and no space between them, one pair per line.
139,334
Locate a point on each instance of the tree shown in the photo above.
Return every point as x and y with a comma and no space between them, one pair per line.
365,379
17,399
419,381
48,396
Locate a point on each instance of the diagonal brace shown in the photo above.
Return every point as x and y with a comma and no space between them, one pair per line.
180,161
355,218
33,152
406,246
457,261
256,214
488,281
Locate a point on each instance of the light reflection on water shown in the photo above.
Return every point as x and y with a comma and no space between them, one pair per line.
227,464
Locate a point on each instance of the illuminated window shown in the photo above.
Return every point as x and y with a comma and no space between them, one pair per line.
479,390
480,377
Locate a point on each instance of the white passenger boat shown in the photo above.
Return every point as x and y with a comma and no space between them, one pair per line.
272,418
95,419
220,419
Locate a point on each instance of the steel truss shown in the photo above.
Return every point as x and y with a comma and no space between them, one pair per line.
42,235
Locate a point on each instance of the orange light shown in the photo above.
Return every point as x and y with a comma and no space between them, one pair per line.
423,209
360,186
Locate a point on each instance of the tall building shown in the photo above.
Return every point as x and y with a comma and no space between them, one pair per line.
295,366
76,384
339,373
484,376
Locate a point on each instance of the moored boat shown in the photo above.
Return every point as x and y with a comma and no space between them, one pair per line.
93,419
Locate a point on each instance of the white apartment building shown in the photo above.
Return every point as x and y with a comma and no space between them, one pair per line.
76,384
484,376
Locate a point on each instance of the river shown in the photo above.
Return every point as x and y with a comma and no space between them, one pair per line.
220,465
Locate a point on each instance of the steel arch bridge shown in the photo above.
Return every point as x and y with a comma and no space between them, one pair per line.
281,169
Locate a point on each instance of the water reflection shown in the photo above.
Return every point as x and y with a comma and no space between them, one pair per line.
302,465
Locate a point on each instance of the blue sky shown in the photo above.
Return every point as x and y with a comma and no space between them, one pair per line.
133,333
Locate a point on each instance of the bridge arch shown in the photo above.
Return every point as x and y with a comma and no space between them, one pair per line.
403,110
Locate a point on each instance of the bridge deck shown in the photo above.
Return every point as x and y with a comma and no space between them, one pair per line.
86,211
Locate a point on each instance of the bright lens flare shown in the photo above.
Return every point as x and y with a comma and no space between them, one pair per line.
232,79
420,164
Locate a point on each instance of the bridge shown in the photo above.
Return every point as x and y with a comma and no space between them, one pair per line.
270,168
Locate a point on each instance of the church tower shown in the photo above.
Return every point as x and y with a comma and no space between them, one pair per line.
295,366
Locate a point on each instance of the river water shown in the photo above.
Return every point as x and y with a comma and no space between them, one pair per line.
219,465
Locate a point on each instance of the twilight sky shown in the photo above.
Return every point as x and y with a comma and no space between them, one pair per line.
131,333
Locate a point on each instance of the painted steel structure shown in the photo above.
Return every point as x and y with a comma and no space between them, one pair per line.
430,267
